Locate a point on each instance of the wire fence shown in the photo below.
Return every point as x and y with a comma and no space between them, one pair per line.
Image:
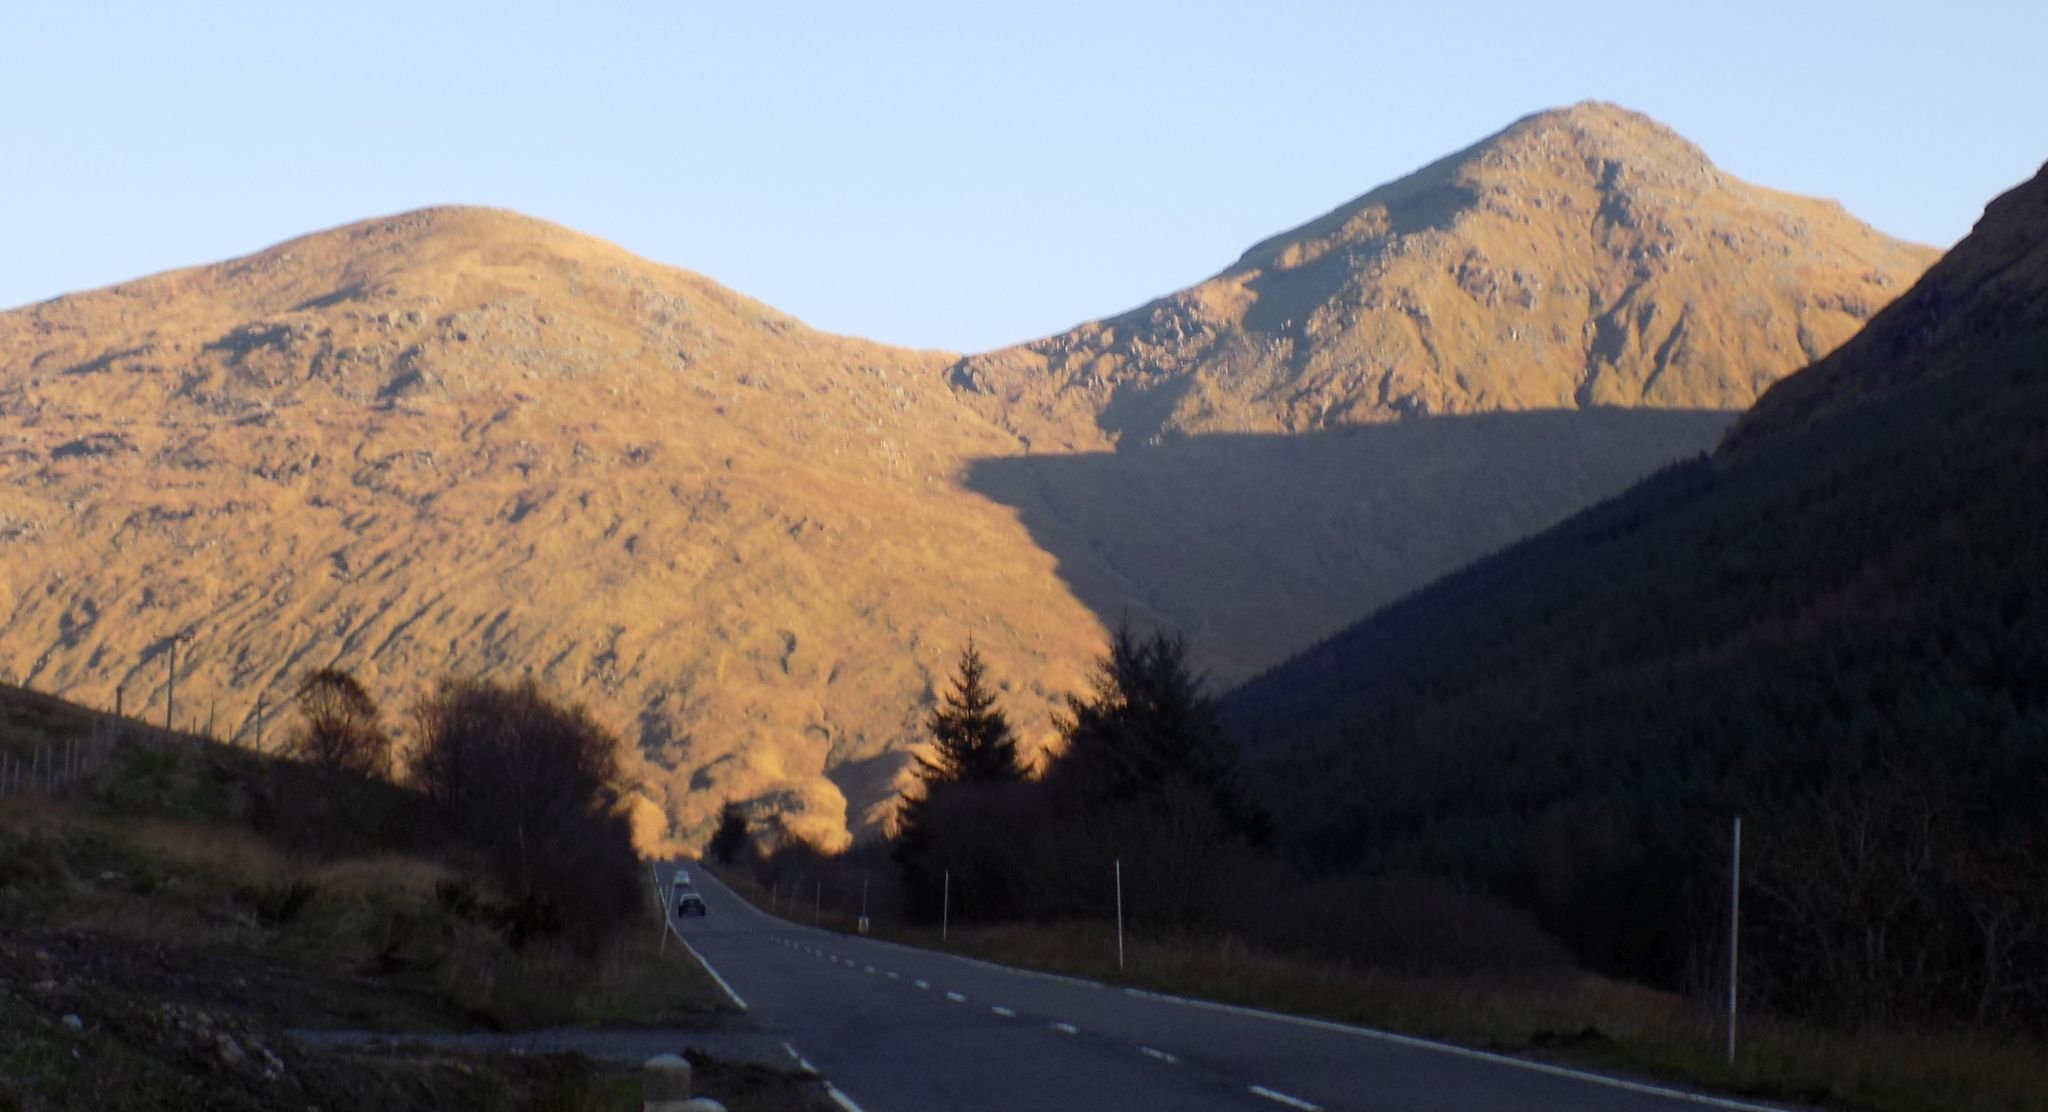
54,767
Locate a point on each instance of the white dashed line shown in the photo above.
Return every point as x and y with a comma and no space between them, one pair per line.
1159,1054
956,998
1066,1028
922,984
1002,1011
892,975
869,968
1283,1098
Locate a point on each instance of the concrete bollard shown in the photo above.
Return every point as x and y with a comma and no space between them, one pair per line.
665,1087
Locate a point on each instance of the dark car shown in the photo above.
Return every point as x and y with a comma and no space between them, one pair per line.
688,902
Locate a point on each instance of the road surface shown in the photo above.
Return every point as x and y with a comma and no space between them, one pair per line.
898,1029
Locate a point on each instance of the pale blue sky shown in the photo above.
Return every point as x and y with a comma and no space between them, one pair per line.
957,175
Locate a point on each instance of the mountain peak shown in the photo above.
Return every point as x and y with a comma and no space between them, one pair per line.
1582,256
1592,147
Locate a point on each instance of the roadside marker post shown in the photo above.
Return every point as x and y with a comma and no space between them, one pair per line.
1734,929
946,905
1119,862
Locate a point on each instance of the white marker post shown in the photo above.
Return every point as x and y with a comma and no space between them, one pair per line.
1119,914
1734,929
946,905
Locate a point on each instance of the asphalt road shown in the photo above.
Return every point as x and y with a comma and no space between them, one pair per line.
898,1029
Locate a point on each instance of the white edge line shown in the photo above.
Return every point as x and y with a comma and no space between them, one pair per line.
1283,1098
1465,1052
831,1090
1159,1054
669,924
1006,1013
1321,1024
1066,1028
956,998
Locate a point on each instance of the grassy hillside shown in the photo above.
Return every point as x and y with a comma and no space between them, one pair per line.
167,917
1837,632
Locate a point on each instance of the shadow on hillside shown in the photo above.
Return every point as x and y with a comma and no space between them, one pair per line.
1257,546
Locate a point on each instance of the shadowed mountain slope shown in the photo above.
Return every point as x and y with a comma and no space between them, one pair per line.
1849,593
1254,545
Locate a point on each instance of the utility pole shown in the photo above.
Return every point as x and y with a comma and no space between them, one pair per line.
171,687
818,905
946,905
171,690
1734,928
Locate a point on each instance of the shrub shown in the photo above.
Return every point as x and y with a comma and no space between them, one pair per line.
340,731
535,785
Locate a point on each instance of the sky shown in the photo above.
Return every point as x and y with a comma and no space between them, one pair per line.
951,175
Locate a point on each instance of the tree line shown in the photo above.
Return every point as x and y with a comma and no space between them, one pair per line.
530,785
1143,782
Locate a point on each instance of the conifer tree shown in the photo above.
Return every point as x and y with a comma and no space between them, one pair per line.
1148,725
973,750
971,736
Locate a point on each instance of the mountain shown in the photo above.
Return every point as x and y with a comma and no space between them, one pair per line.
1582,257
1437,368
1990,291
462,440
1835,625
